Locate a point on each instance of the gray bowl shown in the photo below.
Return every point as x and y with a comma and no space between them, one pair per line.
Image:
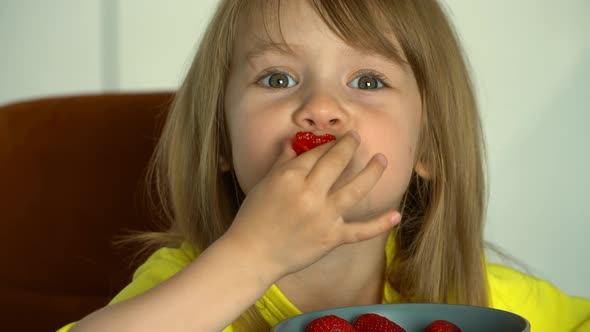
415,317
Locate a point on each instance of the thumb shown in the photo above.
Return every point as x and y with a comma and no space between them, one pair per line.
364,230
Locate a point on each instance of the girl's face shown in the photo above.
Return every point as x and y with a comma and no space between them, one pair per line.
325,86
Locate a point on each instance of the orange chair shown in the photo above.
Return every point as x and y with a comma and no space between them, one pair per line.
71,178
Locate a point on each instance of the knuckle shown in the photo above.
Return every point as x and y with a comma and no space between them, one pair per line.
363,234
307,200
356,193
353,194
289,174
326,240
354,236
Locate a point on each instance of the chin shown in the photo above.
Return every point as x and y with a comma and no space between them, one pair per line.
370,207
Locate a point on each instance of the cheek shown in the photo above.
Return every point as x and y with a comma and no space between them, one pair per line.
399,156
255,147
257,125
397,141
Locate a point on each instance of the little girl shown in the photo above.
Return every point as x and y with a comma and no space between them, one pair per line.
391,211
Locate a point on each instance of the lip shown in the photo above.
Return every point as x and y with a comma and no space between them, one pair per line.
313,134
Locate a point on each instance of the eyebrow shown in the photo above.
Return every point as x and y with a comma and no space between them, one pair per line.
263,47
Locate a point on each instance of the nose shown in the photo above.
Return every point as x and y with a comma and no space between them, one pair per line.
321,112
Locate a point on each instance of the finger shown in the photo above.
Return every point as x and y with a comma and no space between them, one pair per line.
364,230
286,154
309,158
355,190
330,166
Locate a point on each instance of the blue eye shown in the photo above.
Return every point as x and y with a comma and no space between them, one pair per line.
277,80
368,82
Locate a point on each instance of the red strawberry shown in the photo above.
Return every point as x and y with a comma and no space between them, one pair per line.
375,323
305,141
329,323
442,326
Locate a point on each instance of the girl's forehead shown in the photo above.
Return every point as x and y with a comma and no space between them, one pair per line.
267,21
269,25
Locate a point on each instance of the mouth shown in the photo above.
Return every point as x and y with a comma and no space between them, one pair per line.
305,141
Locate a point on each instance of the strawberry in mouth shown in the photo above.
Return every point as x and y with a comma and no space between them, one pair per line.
305,141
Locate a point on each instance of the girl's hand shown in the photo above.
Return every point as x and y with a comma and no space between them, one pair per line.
291,219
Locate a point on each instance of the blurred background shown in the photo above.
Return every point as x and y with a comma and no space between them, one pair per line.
530,61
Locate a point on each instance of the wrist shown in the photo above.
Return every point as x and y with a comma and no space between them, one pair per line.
253,257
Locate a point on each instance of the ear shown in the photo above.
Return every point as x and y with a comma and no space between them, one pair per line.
423,170
224,164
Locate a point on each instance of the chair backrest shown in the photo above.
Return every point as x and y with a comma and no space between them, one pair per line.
71,179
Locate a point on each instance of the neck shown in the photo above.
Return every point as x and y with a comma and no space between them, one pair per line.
349,275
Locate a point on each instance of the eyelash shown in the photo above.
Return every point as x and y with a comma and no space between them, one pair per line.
271,71
374,74
367,72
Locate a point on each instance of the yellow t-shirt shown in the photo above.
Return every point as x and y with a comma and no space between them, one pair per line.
545,306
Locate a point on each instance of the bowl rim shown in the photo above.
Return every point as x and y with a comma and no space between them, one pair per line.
319,313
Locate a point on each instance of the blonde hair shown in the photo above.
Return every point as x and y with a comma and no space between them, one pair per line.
439,254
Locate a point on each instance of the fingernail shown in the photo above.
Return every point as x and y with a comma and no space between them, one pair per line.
356,135
381,159
396,218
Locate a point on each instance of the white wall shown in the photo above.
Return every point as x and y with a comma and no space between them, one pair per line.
157,40
49,47
531,64
531,60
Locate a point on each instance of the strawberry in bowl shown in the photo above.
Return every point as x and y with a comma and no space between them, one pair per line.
371,323
407,317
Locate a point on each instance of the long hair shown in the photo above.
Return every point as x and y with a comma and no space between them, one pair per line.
439,246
